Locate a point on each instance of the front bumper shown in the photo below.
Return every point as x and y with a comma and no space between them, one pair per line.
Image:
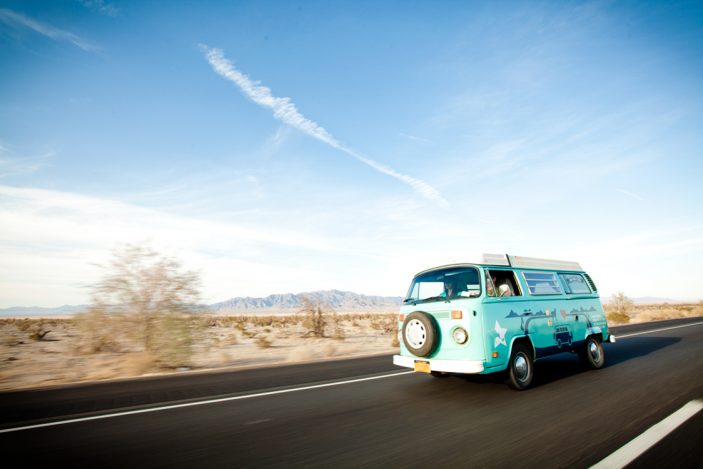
446,366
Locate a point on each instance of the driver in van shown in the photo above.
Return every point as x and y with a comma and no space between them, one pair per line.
451,289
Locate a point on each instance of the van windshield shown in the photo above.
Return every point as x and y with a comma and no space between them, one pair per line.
445,284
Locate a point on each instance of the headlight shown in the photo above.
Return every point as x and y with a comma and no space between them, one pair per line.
460,335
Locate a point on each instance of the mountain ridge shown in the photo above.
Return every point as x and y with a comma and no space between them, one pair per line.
343,301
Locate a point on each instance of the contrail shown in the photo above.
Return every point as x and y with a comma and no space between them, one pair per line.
285,111
15,19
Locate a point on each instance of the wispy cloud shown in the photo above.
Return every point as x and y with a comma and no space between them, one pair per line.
285,111
414,137
11,164
631,195
101,7
15,19
47,231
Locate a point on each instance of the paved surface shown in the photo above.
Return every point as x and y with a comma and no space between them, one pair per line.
570,418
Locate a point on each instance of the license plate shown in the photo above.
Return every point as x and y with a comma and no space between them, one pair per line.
422,367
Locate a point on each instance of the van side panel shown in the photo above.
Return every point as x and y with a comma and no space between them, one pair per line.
553,323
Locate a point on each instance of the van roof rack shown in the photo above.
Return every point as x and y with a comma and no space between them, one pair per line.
523,262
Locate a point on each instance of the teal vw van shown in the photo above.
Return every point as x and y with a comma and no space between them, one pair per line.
500,314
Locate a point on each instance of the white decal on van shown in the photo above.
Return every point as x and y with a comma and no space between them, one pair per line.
501,335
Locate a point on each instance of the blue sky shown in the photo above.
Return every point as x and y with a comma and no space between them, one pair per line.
413,134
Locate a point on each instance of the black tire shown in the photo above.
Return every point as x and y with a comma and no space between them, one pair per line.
592,354
420,334
521,368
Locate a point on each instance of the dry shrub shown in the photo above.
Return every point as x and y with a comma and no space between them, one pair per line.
339,332
617,311
395,342
154,296
39,333
328,350
263,342
316,316
300,354
11,341
138,363
98,331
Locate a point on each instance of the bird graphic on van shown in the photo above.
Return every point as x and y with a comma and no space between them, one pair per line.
501,335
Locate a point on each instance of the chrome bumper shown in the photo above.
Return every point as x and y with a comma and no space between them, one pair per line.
446,366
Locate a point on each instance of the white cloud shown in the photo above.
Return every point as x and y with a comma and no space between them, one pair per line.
414,137
12,164
101,7
16,19
631,195
285,111
48,240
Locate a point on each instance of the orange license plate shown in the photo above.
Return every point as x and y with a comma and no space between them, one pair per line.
422,367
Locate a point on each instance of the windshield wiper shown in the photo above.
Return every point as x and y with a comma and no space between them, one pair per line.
434,298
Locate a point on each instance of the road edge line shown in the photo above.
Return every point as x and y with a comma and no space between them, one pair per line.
657,432
199,403
624,336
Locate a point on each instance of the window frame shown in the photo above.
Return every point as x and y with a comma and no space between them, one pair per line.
557,283
567,285
515,281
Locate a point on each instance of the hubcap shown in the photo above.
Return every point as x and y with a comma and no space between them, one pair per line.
595,353
415,334
522,368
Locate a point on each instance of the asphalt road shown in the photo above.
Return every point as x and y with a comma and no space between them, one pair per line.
570,418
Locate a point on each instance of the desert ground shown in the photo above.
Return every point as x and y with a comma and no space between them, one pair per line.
39,352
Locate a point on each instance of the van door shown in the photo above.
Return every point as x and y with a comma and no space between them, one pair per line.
503,298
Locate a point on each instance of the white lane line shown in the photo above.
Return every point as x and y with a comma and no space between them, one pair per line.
652,436
657,330
209,401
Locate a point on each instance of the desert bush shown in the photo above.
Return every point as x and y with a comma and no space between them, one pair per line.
395,342
155,296
98,331
328,350
39,333
316,316
619,307
339,331
263,342
618,318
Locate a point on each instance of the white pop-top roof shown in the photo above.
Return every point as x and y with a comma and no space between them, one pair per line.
529,262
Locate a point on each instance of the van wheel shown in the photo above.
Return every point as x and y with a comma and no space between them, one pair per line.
521,368
592,354
420,334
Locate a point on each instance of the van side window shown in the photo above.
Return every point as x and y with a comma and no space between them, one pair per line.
542,283
490,288
505,283
575,283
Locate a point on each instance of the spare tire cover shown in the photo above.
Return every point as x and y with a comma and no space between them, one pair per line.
420,333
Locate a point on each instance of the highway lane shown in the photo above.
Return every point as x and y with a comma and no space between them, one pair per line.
570,418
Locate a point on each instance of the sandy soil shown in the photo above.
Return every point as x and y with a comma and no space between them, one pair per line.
28,359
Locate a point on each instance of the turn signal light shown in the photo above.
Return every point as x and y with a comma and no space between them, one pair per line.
495,354
456,314
401,317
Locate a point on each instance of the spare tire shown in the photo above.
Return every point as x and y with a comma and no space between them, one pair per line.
420,334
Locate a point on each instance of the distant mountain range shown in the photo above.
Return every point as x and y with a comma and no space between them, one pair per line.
339,300
342,301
